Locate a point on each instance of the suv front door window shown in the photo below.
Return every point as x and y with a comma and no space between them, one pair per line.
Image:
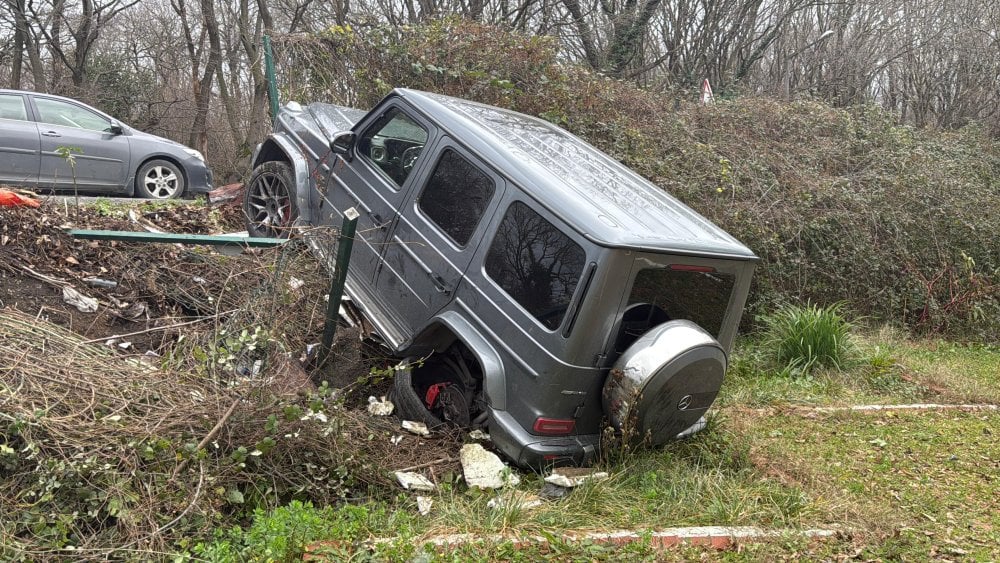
393,144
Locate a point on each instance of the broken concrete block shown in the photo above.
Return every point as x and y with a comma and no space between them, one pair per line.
380,406
414,481
424,505
418,428
484,469
570,477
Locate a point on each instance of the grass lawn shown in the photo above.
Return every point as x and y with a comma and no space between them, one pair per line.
898,484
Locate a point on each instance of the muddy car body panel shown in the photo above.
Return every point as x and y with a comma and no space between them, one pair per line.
524,259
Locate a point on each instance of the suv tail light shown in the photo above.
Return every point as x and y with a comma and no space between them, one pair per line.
553,426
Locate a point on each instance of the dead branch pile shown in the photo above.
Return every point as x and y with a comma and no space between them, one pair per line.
121,456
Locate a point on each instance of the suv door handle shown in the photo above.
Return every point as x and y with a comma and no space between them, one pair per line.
51,134
377,220
440,284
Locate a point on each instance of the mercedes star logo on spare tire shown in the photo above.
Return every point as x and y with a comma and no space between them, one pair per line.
684,403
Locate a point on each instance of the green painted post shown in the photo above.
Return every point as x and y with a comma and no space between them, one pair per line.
272,85
344,246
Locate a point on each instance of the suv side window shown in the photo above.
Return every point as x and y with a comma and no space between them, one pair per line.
456,196
393,144
535,263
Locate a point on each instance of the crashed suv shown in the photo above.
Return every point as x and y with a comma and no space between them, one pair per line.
537,287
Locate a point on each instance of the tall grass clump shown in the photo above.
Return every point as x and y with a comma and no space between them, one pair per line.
801,338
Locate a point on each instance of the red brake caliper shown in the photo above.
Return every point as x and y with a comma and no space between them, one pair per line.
432,393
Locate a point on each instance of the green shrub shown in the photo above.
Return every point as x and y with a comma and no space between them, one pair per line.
801,338
284,533
842,205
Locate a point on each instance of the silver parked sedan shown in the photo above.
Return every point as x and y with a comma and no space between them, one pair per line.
57,143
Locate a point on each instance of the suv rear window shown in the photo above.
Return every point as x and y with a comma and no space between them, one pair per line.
698,296
675,292
535,263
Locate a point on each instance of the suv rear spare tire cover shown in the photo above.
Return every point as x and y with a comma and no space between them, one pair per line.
664,382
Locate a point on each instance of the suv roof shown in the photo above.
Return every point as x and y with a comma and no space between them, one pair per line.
597,195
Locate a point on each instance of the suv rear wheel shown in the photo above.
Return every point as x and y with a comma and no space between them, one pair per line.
444,388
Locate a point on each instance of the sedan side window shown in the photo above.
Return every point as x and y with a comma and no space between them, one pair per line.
393,144
535,263
456,196
61,113
12,107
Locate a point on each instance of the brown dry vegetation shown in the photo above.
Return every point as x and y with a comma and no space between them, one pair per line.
122,452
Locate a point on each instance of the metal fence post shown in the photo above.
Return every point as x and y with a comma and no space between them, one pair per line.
272,86
344,246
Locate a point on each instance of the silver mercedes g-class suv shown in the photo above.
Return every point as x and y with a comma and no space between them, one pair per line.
538,287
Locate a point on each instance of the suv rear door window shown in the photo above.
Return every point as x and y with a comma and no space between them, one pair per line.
535,263
456,196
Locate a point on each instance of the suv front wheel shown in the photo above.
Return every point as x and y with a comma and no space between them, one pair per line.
269,203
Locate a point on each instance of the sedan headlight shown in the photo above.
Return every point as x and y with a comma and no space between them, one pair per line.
194,153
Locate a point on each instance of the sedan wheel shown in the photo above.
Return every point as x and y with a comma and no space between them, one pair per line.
159,179
268,204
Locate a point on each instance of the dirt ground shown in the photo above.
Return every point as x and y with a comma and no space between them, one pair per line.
38,259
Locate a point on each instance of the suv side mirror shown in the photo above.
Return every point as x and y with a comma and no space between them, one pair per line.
342,143
116,128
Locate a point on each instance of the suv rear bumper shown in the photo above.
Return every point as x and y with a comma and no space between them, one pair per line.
537,452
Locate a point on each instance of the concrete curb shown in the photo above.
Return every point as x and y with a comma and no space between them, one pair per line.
912,407
719,537
716,537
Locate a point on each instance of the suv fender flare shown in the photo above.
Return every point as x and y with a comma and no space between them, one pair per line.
494,381
280,148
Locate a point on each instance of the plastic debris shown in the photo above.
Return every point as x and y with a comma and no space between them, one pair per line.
83,303
570,477
295,283
98,282
550,491
424,505
479,436
396,440
14,199
414,481
380,406
484,469
418,428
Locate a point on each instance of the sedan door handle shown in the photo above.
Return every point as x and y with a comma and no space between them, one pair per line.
51,134
440,285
